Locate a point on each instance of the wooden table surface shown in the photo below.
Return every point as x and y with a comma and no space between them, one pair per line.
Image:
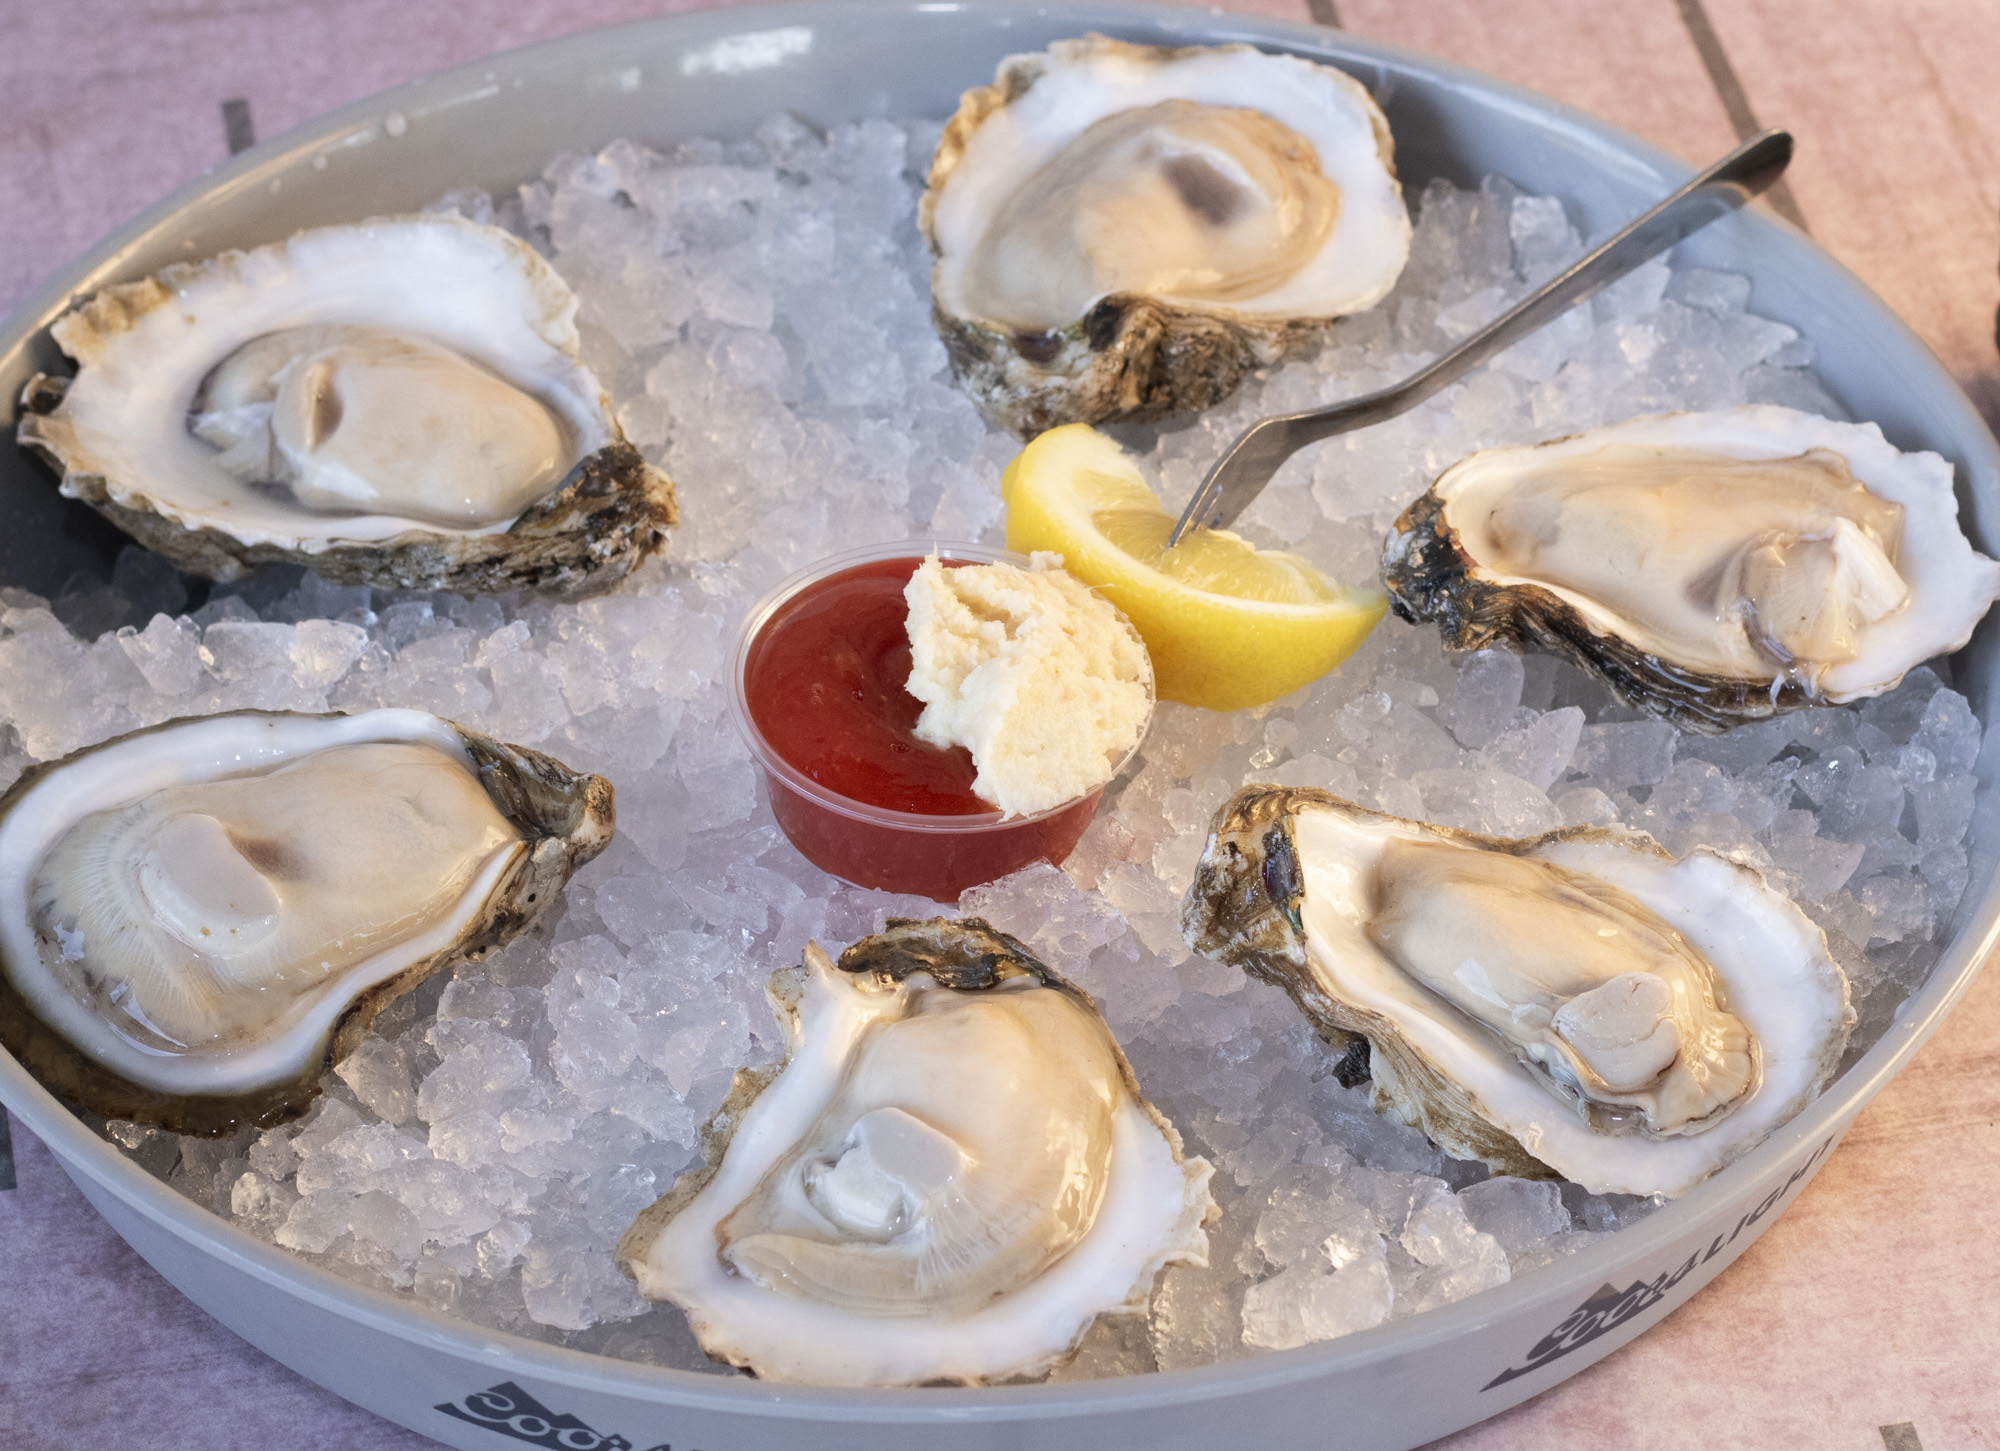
1869,1315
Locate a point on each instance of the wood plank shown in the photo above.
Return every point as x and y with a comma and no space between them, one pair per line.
110,106
1630,61
1896,104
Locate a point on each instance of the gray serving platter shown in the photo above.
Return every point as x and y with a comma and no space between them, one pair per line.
494,124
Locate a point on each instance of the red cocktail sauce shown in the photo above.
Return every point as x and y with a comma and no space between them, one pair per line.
824,684
825,681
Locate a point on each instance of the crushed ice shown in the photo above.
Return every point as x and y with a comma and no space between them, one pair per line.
762,311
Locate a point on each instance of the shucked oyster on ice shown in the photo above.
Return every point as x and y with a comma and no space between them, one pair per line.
197,919
1123,231
948,1179
1713,568
1578,1003
398,403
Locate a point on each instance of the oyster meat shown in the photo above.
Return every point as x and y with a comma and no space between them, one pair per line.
398,403
1713,568
1123,231
948,1179
201,917
1578,1004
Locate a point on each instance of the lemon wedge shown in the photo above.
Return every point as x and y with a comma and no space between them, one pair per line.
1228,625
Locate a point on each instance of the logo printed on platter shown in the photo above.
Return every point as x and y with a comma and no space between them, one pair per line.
511,1411
1610,1307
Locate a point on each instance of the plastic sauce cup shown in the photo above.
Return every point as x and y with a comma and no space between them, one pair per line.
873,846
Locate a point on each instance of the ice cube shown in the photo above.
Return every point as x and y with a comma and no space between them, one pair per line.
1311,1302
1488,690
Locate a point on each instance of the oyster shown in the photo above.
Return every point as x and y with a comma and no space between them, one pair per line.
201,917
1123,231
395,403
1578,1004
948,1179
1713,568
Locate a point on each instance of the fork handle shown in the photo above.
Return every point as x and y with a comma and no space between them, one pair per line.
1240,475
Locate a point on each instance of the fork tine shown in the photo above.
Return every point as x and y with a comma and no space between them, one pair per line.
1238,476
1202,505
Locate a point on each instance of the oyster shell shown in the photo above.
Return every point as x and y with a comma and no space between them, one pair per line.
202,917
1713,568
395,403
948,1179
1123,231
1578,1004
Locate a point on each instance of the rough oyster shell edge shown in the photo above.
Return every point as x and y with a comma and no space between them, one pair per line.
965,954
567,816
1129,359
612,511
1245,907
1431,577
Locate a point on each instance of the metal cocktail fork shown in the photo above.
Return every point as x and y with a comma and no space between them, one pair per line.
1242,472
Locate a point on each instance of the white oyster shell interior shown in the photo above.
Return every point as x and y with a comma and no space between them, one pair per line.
1746,544
351,384
362,420
195,907
940,1185
1224,180
1587,984
1769,961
